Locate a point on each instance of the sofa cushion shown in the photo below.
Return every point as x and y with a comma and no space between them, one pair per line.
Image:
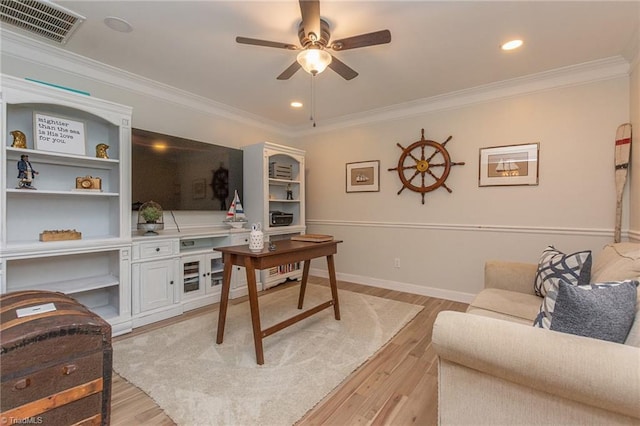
603,311
555,266
616,262
633,338
505,304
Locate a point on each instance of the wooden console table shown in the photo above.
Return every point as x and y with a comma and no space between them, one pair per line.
285,252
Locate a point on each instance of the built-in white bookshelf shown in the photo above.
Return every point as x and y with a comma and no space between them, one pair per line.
95,268
274,181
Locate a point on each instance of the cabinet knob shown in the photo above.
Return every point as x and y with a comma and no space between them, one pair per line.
171,282
157,248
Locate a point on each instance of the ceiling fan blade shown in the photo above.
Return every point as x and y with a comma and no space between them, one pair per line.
265,43
342,69
310,11
363,40
286,74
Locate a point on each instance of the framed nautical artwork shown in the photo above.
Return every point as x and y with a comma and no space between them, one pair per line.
363,176
198,188
509,165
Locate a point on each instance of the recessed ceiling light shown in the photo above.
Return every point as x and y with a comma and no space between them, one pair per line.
118,24
510,45
296,104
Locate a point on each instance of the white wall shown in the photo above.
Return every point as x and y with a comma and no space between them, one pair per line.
443,244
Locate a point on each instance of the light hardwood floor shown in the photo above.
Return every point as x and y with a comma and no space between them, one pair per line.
398,386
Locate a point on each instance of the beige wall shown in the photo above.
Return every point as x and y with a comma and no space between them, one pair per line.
442,245
634,170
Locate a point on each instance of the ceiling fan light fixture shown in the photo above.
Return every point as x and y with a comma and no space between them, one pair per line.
512,44
314,61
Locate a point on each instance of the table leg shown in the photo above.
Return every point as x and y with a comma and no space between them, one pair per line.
334,286
303,284
224,296
255,309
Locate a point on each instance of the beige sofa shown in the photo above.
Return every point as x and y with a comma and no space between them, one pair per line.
495,368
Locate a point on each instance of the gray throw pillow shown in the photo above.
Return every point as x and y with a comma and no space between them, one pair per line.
603,311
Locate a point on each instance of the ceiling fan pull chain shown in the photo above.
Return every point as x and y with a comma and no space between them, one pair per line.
313,100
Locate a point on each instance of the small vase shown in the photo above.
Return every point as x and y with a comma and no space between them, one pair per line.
256,238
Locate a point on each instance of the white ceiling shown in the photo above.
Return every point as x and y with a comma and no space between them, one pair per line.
437,47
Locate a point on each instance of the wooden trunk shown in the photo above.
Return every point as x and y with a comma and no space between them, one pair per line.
55,366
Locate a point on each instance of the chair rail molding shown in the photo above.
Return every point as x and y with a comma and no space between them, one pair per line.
592,232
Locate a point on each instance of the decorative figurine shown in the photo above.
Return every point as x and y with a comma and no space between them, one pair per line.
19,139
101,150
25,173
289,192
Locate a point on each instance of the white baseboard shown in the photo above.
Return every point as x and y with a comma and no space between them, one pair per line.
456,296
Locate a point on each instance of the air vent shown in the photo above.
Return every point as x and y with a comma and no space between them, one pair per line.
41,17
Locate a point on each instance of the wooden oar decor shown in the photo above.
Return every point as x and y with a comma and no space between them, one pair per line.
623,151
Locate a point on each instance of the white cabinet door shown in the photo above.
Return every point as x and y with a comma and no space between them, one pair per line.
201,274
194,276
215,271
156,284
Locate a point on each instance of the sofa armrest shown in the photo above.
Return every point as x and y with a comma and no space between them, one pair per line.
593,372
513,276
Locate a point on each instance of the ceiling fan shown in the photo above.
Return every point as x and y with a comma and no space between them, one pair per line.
314,35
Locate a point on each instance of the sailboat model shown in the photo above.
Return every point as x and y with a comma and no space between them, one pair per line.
507,168
235,215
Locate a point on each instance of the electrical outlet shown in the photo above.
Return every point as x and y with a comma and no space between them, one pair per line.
396,262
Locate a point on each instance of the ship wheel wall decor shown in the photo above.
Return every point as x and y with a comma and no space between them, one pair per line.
424,166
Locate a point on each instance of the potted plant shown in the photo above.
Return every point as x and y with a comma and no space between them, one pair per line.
150,218
151,214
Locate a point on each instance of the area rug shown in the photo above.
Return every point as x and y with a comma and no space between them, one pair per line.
197,382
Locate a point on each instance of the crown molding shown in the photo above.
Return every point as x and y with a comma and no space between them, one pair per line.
603,69
36,52
27,49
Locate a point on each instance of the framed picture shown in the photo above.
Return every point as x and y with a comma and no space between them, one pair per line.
198,188
363,176
509,165
58,134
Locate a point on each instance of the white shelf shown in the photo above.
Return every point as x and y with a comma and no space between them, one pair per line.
107,312
282,182
79,285
36,156
39,193
102,243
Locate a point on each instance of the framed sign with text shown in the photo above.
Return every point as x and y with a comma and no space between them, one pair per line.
58,134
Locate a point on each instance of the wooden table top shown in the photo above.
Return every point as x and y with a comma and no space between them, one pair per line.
282,247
